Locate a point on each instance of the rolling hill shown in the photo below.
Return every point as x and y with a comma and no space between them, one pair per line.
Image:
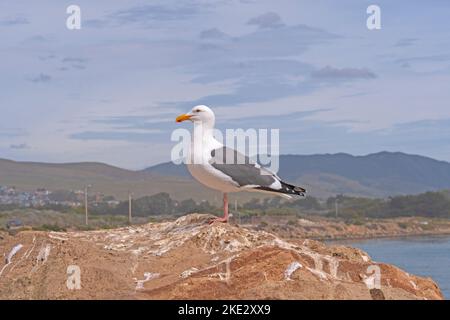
375,175
104,178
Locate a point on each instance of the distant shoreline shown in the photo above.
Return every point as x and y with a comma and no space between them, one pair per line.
395,236
323,229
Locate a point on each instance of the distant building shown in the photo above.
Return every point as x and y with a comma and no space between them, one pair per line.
14,224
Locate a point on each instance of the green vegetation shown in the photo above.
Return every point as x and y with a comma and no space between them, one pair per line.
355,209
429,204
157,205
352,210
49,220
50,227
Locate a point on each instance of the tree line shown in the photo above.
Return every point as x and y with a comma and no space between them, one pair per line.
429,204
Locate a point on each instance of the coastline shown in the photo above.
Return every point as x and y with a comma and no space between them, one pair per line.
393,236
325,229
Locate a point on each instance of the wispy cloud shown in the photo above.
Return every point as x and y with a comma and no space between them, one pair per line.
12,132
77,63
36,40
148,15
13,21
154,12
20,146
73,59
41,78
130,136
96,23
260,64
429,58
47,57
406,42
251,70
267,20
213,33
331,73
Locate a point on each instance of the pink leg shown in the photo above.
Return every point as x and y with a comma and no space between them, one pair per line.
225,210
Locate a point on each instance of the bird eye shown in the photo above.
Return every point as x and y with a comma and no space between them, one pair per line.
197,110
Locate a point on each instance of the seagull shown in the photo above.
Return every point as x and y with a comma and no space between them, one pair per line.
225,169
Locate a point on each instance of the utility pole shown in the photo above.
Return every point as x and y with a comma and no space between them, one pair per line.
336,204
129,206
236,210
86,203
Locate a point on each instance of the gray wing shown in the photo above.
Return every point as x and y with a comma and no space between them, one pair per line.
246,172
241,168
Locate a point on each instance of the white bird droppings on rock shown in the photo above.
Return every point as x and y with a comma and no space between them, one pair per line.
188,272
291,269
13,252
147,277
10,255
44,253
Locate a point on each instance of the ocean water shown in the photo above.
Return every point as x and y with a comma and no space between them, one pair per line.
422,256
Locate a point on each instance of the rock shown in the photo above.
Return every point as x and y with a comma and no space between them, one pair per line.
324,228
196,260
377,294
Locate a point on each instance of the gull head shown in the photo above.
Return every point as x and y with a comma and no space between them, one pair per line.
198,114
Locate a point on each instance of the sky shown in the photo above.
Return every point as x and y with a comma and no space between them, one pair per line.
111,90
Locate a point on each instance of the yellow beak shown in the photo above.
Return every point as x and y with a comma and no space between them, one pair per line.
183,117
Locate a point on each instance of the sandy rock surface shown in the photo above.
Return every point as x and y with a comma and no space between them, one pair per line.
190,259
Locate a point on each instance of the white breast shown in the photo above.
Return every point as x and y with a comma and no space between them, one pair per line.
202,171
212,178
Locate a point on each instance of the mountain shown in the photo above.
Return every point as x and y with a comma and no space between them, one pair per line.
379,174
375,175
106,179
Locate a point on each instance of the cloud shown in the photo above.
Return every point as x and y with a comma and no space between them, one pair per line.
41,78
154,12
405,65
259,66
264,46
136,122
213,33
130,136
130,128
254,81
430,58
331,73
95,23
47,57
273,121
73,59
267,20
13,21
78,66
267,80
149,14
36,40
20,146
12,132
251,70
74,63
276,42
406,42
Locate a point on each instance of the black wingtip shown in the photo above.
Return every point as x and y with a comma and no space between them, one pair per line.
300,189
291,189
